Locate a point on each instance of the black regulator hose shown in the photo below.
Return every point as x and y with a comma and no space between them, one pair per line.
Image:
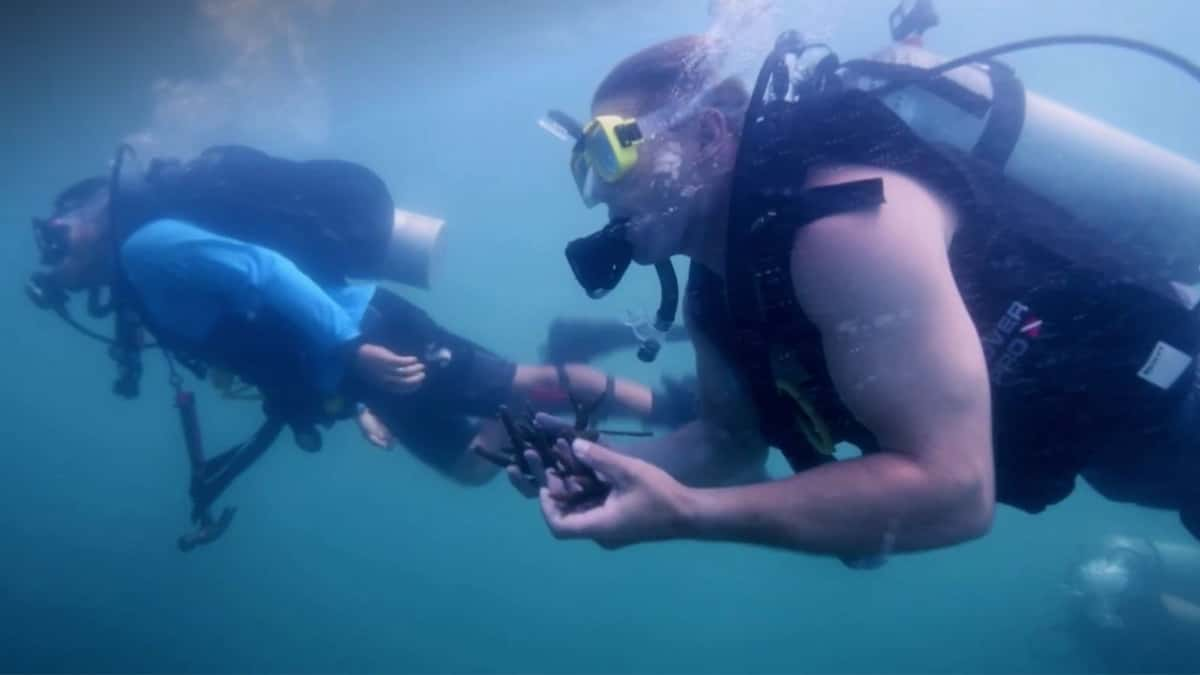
667,308
1050,40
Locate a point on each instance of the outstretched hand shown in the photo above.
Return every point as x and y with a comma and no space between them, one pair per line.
528,485
534,474
538,475
643,503
387,370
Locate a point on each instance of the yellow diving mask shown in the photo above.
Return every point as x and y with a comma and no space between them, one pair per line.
606,148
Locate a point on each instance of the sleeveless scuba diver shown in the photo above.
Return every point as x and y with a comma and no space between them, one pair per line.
1077,255
1081,337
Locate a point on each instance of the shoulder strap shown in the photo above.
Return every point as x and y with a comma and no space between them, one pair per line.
1004,110
762,300
760,280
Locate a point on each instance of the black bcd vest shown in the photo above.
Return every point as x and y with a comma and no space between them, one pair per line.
1066,319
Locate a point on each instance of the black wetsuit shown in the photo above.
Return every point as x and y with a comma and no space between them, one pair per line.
432,422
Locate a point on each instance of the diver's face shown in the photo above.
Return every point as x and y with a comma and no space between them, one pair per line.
663,195
87,256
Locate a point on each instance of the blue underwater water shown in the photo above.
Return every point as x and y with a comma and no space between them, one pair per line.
355,560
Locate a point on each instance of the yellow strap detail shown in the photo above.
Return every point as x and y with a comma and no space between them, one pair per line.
816,431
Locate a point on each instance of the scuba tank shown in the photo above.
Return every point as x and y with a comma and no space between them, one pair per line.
1133,191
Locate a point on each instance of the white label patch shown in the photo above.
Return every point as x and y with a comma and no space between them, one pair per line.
1164,366
1188,295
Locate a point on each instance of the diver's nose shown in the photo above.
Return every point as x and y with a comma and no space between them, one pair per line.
57,221
57,225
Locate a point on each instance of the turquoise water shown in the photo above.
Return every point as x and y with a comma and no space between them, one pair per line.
356,560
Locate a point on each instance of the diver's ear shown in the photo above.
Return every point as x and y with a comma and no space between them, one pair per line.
717,142
713,132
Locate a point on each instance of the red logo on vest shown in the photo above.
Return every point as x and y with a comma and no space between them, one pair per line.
1032,327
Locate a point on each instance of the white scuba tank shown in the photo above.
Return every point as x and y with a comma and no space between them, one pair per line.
1129,188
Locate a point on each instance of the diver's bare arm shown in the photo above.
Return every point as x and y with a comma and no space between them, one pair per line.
700,454
906,359
586,383
722,447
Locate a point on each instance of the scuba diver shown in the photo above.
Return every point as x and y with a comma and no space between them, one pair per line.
1134,607
240,265
987,293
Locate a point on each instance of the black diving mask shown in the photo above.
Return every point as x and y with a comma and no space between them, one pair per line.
53,244
53,241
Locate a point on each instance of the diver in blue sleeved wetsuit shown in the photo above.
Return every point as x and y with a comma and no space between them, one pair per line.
210,292
229,303
188,279
262,293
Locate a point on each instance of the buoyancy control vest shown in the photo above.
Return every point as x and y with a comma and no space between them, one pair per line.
332,218
1082,333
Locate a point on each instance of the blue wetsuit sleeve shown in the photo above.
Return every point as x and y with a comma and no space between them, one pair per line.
189,278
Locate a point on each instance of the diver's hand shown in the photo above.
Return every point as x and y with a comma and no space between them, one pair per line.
391,372
553,423
529,486
644,503
374,430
